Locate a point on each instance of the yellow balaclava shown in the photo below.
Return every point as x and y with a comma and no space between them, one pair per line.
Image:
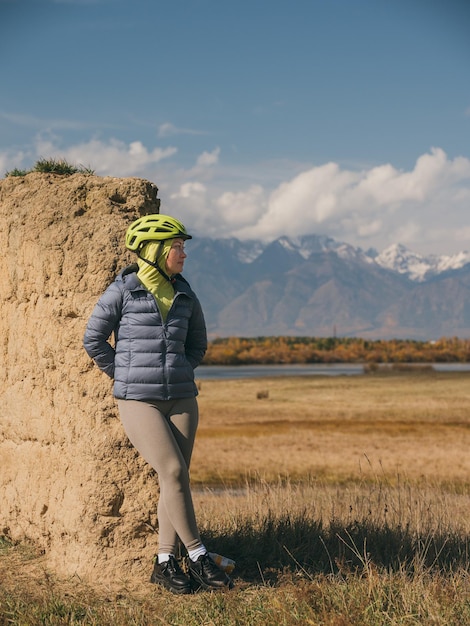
151,278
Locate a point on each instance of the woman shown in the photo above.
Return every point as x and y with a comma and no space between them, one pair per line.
159,338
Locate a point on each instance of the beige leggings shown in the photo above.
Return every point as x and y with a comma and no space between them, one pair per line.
163,432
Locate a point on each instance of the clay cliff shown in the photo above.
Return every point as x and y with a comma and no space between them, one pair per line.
69,480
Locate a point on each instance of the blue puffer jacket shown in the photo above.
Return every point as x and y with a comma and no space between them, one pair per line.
150,360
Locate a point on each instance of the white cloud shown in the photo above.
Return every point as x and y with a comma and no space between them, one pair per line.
114,157
189,190
425,208
207,159
169,130
298,206
9,161
192,205
369,229
204,166
378,206
236,209
32,121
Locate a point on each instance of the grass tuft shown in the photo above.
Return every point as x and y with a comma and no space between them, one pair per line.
16,172
53,166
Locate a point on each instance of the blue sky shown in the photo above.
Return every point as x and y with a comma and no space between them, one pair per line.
348,118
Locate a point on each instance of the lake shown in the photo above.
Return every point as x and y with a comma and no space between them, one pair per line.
215,372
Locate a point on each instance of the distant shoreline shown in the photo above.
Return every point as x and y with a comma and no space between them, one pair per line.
214,372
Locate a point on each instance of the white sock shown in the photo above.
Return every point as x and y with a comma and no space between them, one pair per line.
164,557
195,554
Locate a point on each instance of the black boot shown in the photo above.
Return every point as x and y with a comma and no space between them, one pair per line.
171,576
205,573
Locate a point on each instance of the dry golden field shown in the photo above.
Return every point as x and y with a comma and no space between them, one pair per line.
344,500
409,425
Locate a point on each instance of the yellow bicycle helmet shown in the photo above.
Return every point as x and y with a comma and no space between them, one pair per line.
155,227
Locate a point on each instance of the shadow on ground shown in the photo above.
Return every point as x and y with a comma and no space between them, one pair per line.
302,545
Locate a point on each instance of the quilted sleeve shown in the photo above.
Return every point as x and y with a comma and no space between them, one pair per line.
196,340
103,321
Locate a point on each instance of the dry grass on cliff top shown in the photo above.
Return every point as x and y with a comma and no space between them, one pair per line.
356,527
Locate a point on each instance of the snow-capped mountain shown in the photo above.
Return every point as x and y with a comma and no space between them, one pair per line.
304,246
399,258
315,285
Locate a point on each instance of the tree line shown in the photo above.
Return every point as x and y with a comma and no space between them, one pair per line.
297,350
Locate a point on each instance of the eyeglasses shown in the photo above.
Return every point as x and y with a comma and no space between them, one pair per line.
179,247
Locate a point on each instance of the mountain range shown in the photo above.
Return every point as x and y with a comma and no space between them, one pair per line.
316,286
